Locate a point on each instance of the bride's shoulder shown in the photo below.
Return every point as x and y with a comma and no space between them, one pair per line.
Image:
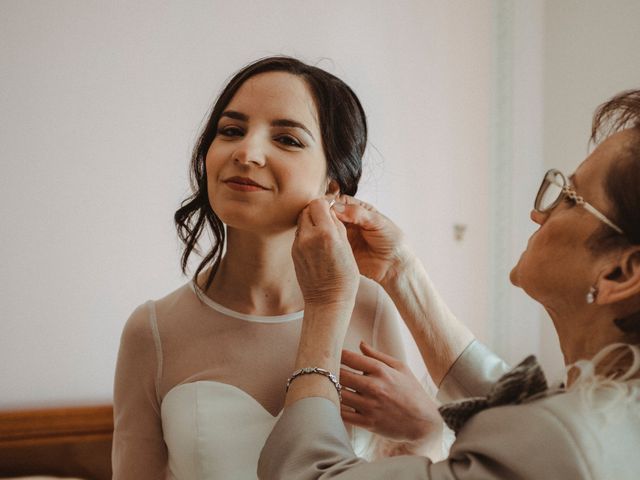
185,300
177,302
368,293
371,298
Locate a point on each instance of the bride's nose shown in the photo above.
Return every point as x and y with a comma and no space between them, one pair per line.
250,151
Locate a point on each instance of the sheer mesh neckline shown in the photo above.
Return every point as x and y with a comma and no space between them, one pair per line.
287,317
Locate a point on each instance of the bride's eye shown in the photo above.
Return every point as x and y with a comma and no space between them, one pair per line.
230,131
289,141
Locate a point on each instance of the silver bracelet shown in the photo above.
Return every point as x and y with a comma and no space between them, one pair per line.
319,371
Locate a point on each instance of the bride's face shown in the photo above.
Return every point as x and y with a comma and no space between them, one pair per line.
266,161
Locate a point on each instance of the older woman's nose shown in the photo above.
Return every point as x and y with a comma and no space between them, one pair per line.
538,217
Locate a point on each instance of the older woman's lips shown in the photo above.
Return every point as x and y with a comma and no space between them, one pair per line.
243,184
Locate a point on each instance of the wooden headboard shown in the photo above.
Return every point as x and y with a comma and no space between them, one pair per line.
72,442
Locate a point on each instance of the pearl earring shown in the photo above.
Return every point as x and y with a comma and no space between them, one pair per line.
591,295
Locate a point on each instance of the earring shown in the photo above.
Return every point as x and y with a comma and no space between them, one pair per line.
591,295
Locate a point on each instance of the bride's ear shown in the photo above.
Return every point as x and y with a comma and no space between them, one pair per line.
332,187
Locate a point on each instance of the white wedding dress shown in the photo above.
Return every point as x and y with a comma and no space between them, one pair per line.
199,387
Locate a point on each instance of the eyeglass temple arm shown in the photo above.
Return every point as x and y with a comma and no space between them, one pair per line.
590,208
595,212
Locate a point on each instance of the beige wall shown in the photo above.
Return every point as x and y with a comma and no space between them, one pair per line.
101,103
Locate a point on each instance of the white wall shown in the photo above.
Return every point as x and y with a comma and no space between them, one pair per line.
515,166
101,102
591,53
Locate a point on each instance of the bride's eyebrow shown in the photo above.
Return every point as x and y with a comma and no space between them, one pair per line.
235,115
285,122
281,122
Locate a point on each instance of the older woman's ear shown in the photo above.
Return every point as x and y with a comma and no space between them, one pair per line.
620,282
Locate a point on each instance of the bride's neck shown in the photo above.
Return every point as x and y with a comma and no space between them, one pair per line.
256,275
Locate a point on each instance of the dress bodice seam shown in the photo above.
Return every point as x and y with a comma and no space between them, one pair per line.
226,385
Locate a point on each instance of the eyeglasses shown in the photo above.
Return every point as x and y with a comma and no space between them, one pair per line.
554,187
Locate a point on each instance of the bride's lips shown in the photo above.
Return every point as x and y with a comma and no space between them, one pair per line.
243,184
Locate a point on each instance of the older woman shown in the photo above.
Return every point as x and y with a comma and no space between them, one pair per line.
582,265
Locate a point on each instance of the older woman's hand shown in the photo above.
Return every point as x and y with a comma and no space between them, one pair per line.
383,256
325,267
328,277
388,399
377,243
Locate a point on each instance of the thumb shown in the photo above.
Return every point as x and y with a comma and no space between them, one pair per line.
358,215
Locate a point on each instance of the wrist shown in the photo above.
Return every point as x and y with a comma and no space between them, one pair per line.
332,295
316,371
322,337
425,440
306,386
320,346
399,268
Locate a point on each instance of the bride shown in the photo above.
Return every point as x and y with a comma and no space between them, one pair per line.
198,383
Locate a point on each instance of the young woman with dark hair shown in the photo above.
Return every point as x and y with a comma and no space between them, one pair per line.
200,372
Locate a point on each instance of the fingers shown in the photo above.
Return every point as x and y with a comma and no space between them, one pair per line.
371,352
359,362
352,201
319,212
355,401
302,230
304,220
344,209
371,361
338,223
355,381
353,211
354,418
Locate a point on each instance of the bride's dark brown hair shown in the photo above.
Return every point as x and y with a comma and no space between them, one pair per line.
343,128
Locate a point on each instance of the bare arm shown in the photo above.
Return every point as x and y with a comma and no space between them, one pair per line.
383,256
439,335
329,280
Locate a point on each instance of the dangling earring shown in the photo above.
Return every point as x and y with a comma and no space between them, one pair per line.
591,296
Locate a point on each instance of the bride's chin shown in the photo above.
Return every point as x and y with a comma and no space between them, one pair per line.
236,218
253,227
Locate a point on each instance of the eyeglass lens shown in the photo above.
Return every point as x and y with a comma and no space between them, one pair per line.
550,191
